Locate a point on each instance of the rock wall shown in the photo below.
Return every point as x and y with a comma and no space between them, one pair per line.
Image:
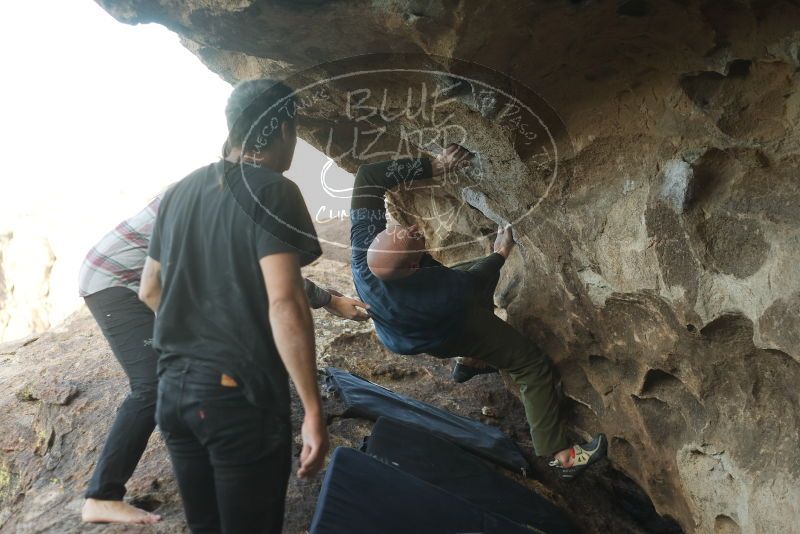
659,266
26,263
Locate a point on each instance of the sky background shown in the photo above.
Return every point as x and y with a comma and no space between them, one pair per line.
97,118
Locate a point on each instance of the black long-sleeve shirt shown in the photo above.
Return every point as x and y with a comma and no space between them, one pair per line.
317,297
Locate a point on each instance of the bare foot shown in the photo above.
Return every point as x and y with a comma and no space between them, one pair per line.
97,511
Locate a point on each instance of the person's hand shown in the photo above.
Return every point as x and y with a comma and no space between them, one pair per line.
451,158
347,308
505,240
315,446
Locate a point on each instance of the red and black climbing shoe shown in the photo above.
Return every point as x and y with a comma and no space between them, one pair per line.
582,456
461,373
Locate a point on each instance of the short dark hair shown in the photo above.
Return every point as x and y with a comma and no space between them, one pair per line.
255,111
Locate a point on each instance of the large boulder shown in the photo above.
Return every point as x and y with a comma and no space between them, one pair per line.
656,201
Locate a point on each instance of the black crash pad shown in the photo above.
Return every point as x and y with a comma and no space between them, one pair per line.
363,398
447,466
361,495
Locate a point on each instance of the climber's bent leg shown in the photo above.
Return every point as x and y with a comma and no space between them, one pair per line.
487,276
492,340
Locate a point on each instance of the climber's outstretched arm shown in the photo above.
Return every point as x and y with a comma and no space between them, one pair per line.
373,180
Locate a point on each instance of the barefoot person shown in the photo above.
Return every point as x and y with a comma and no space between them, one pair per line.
420,306
109,281
232,322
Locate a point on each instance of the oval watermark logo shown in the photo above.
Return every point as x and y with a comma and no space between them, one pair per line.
374,108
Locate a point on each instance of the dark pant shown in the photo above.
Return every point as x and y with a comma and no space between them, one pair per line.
127,324
231,458
487,273
488,338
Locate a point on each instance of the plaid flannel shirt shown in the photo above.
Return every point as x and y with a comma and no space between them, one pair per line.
118,259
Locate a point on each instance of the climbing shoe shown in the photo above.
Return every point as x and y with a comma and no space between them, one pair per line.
582,457
461,373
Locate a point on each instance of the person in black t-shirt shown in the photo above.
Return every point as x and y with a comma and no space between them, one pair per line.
223,276
109,281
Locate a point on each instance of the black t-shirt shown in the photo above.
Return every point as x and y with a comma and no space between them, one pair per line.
212,228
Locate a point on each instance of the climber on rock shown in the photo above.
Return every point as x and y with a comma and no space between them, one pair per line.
109,281
420,306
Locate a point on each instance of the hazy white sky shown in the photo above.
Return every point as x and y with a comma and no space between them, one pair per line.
99,116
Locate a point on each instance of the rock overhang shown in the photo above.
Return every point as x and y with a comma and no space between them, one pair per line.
659,270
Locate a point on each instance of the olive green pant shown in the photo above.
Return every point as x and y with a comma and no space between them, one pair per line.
488,338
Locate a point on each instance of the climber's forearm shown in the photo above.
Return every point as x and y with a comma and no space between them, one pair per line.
373,180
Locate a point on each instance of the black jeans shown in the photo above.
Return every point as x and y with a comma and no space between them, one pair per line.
127,324
231,458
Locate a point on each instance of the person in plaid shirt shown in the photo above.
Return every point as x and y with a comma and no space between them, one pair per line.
109,282
117,260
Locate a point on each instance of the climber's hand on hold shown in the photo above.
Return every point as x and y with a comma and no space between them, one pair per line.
453,157
504,243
